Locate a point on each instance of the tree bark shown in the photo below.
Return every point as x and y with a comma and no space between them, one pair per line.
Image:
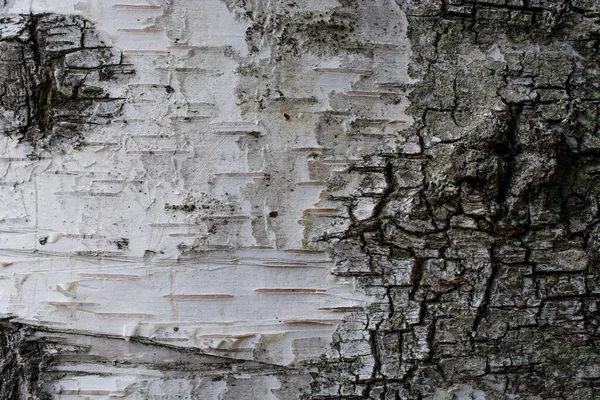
310,199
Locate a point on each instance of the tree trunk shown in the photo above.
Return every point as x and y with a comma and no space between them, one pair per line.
310,199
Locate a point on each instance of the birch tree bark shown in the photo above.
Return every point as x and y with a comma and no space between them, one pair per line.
310,199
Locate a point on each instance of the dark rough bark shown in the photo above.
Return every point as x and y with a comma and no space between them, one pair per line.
484,248
21,361
55,76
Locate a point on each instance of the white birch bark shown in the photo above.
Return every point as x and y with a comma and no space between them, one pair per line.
192,218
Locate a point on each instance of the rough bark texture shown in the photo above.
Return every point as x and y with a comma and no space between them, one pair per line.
466,206
484,247
21,361
55,73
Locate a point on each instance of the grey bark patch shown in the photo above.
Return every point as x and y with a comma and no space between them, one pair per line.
485,258
21,360
55,78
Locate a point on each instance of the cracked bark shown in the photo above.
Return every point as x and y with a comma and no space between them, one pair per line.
55,71
499,212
